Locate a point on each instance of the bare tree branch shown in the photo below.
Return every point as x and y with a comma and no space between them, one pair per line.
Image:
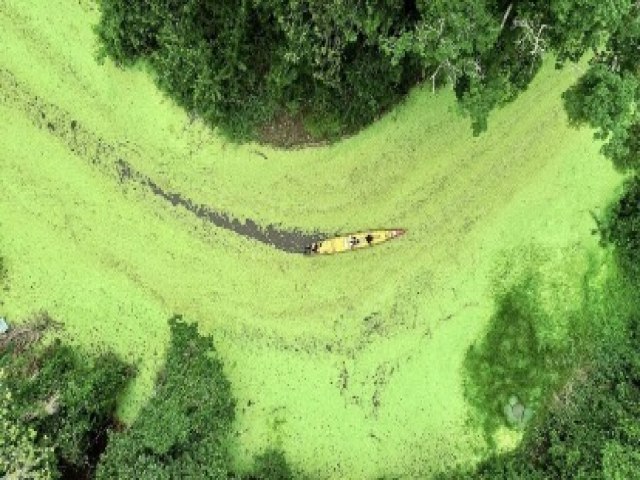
451,71
506,15
433,78
531,36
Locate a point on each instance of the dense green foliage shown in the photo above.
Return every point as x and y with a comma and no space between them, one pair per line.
622,229
608,95
567,28
64,395
57,404
183,431
237,64
240,65
21,455
608,101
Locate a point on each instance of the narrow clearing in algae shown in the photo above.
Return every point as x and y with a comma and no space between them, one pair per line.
113,160
351,363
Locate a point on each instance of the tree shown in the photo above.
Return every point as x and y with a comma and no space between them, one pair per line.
21,455
63,397
183,430
621,229
241,64
606,100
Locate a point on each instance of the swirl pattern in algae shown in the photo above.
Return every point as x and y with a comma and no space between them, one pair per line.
352,364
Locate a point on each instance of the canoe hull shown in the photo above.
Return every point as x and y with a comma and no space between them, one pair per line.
354,241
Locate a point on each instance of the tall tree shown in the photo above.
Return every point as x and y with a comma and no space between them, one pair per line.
242,64
182,432
607,97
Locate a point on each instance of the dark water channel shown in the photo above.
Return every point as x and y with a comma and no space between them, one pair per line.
115,158
292,241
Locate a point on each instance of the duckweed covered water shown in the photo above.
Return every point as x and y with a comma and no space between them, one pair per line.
351,363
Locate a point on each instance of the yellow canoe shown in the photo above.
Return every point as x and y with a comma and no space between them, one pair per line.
353,241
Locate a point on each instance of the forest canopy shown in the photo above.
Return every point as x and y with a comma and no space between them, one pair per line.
338,65
58,413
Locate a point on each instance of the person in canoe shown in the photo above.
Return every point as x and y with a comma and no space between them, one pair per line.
313,248
352,241
369,238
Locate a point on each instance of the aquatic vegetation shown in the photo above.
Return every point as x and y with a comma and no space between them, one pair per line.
350,364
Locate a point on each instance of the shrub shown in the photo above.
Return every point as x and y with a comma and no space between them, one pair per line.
621,229
182,432
64,394
21,455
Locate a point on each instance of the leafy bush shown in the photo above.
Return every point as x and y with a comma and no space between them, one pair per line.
621,229
183,431
21,455
64,395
